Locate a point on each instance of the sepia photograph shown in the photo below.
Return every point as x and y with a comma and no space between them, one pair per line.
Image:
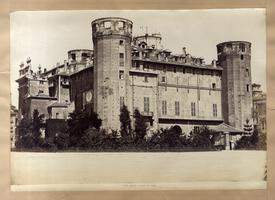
135,99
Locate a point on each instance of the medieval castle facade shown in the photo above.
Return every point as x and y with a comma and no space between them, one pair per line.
168,89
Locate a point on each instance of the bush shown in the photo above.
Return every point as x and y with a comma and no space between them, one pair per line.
202,137
254,141
125,122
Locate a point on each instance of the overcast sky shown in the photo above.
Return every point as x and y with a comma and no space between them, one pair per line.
46,36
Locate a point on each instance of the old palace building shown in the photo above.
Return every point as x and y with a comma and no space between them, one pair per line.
168,89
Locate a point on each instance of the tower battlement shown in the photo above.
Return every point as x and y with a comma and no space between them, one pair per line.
234,47
80,55
112,26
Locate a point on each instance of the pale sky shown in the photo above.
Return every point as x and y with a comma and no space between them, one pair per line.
46,36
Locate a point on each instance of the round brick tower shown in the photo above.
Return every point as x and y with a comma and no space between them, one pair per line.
112,61
234,57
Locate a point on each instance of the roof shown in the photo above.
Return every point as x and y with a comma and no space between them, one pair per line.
233,42
225,128
45,97
81,70
173,63
59,104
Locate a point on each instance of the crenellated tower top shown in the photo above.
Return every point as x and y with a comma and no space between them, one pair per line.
112,26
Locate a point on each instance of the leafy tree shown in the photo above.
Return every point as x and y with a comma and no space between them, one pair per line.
29,134
253,141
170,137
140,125
94,120
203,137
78,122
61,140
125,121
37,124
24,134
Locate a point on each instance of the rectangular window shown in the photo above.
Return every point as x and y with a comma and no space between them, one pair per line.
164,107
84,56
121,101
121,75
241,57
121,59
73,56
177,108
163,79
193,109
242,47
107,24
213,85
146,79
175,69
145,67
121,42
183,70
247,72
247,88
215,112
146,104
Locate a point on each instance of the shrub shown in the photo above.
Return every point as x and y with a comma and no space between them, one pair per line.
140,125
202,137
125,122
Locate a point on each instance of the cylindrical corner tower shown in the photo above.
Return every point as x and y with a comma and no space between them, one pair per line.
112,61
234,57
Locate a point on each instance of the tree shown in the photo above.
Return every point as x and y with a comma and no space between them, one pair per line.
29,131
248,128
37,124
170,137
140,125
78,122
125,122
94,120
203,137
24,132
253,141
61,140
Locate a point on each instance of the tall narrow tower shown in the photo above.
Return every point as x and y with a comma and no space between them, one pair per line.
112,60
234,57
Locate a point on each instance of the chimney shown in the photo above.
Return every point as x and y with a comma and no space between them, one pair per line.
65,66
184,51
214,63
21,65
39,69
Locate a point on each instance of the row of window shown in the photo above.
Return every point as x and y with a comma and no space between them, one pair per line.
193,109
163,80
175,69
146,102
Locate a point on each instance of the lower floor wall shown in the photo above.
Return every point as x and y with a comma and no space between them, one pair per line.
186,125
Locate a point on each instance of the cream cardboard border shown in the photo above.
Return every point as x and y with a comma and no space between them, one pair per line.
15,5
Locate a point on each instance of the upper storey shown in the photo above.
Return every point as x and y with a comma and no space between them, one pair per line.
148,48
234,47
112,26
80,56
153,41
